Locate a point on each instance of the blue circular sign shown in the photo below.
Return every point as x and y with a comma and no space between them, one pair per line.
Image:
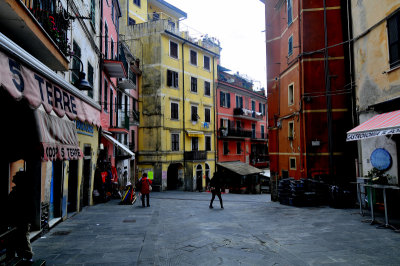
381,159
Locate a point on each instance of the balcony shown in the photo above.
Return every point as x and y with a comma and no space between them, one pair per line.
234,133
195,155
247,114
41,30
259,135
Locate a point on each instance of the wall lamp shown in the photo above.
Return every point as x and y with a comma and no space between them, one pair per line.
81,83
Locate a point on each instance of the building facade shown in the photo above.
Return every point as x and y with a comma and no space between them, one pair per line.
53,124
241,118
376,79
176,144
309,97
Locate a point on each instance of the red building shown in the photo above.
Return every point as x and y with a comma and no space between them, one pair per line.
309,101
241,121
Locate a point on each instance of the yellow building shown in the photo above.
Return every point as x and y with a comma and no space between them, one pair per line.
176,144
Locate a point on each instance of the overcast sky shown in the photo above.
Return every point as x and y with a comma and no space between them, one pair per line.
238,25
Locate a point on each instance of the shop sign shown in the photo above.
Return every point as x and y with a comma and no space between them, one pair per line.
21,82
84,128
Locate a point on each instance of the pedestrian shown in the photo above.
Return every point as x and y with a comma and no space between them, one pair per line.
215,187
21,209
145,188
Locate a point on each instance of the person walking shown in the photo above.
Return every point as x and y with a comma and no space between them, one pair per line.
145,189
21,211
215,187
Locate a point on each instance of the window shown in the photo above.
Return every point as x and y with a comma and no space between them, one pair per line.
193,84
393,25
225,99
263,110
207,115
174,110
262,132
238,147
173,49
208,143
291,130
195,144
225,123
195,116
291,94
90,79
206,62
253,108
238,124
111,108
93,12
175,141
105,95
106,41
290,11
131,21
76,66
172,79
136,2
112,49
119,100
207,88
239,101
226,150
112,11
290,46
292,163
193,57
253,131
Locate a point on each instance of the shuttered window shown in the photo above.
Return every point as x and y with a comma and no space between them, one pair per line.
394,42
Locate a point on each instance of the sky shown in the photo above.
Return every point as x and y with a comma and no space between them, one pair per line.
238,25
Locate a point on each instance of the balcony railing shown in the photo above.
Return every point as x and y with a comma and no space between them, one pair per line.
234,132
54,20
195,155
258,135
246,113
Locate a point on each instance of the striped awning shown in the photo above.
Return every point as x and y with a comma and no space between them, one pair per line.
379,125
191,133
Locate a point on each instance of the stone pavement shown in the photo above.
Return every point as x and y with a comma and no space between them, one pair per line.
180,229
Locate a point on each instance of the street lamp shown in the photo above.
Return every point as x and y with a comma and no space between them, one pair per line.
81,83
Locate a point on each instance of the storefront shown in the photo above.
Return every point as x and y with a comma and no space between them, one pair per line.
38,110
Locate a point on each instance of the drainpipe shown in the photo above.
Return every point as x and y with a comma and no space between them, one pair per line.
215,116
183,104
328,97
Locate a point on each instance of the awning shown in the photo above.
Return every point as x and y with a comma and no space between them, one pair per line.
60,96
379,125
191,133
57,137
120,145
240,168
114,68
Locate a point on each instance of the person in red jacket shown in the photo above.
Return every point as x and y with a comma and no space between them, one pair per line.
145,189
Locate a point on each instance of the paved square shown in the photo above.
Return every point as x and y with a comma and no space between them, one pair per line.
180,229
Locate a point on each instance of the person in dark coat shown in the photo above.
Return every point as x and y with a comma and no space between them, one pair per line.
145,184
216,187
21,211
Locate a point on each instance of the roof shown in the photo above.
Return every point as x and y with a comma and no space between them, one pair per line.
240,168
379,125
170,8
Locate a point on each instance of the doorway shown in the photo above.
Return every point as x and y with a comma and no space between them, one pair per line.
72,186
173,181
199,178
56,188
87,170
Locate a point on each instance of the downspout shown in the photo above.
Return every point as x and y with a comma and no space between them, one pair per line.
302,116
101,96
328,97
183,104
215,118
